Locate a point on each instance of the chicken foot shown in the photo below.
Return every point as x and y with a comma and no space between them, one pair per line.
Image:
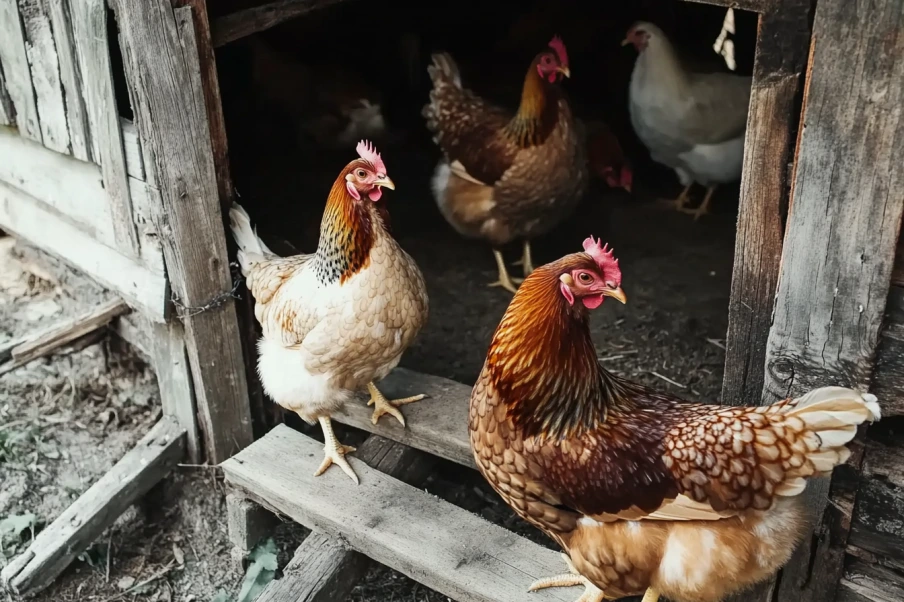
703,209
334,452
682,199
651,595
526,260
505,281
386,406
591,592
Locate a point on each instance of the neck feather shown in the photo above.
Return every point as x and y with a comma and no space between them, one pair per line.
348,231
544,366
538,112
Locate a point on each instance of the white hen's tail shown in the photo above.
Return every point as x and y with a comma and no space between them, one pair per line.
251,248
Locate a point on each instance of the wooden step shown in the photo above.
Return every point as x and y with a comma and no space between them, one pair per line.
445,547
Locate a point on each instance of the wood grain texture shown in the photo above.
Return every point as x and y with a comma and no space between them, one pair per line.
40,48
168,102
865,582
16,72
171,366
7,110
134,330
75,529
71,78
888,377
438,424
324,568
782,46
32,220
243,23
89,24
459,555
132,147
839,247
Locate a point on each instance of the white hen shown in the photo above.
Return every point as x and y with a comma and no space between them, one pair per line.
691,122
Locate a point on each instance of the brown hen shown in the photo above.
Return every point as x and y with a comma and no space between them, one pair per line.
506,177
643,491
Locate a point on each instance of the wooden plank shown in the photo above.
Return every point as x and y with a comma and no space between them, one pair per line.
324,568
839,247
461,556
145,205
169,111
72,188
247,523
55,336
243,23
45,74
71,78
16,71
89,25
76,528
167,344
438,424
133,329
897,276
757,6
7,110
888,378
132,148
782,44
868,583
28,218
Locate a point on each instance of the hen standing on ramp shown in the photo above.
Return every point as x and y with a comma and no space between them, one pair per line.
506,177
335,321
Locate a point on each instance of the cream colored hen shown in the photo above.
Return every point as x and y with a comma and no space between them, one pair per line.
337,320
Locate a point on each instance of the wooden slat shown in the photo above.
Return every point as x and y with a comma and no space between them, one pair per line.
72,188
243,23
145,205
888,378
89,25
76,528
167,345
840,242
45,74
868,583
132,148
25,216
7,110
438,424
16,71
757,6
782,45
71,78
168,100
460,555
324,568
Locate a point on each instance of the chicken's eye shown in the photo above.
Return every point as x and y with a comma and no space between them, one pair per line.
361,173
585,277
546,60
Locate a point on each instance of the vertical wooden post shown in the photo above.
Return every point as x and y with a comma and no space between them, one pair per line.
842,231
161,61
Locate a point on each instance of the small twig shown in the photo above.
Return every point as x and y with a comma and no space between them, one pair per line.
109,550
717,343
667,379
612,358
214,466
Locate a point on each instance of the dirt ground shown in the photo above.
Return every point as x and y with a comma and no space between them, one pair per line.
64,421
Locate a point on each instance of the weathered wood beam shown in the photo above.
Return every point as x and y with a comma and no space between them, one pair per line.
169,108
842,231
888,377
243,23
324,568
16,72
461,556
71,78
897,276
781,55
133,329
80,524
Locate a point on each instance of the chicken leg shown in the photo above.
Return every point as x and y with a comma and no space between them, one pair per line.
385,406
526,261
591,592
679,203
651,595
505,281
703,209
334,452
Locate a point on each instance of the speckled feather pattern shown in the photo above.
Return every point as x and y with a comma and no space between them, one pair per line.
644,488
337,319
521,179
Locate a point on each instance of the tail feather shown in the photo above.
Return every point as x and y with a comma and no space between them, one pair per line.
444,70
251,248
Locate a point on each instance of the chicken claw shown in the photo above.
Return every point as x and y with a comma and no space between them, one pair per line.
505,281
386,406
591,592
333,452
679,203
703,209
651,595
526,261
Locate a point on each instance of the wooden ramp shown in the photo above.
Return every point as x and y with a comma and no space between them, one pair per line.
446,548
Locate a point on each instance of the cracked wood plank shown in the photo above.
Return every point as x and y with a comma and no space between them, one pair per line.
16,72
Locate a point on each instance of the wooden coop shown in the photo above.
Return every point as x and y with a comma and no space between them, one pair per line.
817,292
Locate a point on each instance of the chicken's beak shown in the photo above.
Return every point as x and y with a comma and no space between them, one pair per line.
616,293
385,183
564,71
627,187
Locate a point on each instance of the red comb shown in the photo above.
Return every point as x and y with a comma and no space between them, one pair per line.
559,46
605,259
367,152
